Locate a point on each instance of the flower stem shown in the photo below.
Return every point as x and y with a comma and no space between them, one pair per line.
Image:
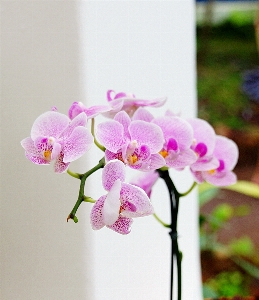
93,134
75,175
81,196
174,196
188,192
161,222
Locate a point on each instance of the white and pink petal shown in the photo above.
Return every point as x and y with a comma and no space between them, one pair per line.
77,144
148,134
111,135
122,225
49,124
112,171
138,199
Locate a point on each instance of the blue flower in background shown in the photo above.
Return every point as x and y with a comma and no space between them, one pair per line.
251,84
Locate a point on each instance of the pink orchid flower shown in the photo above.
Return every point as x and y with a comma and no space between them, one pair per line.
130,103
78,107
226,153
122,202
146,181
136,143
55,137
178,135
203,145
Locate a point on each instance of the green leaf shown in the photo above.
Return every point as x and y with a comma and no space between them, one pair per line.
207,192
242,246
247,266
245,187
208,292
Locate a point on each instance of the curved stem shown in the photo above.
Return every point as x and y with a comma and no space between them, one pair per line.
89,199
81,196
188,191
93,134
75,175
161,222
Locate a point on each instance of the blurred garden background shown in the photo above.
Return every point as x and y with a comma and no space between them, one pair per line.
228,97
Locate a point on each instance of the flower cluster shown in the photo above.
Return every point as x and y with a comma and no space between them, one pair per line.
131,137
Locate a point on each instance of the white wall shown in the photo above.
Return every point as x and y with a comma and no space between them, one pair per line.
56,52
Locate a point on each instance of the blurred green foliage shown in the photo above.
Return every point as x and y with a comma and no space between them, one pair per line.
224,52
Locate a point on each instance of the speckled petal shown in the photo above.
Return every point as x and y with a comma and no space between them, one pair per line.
32,153
156,161
79,120
75,109
176,128
185,158
142,114
96,216
60,166
77,144
203,132
221,178
113,170
111,135
138,198
205,164
226,150
147,134
122,225
49,124
123,118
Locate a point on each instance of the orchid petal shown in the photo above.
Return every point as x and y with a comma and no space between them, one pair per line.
221,178
122,225
123,118
147,134
205,164
60,166
50,124
146,181
93,111
113,170
203,132
111,135
156,161
137,197
142,114
227,151
77,144
176,128
79,120
112,204
182,160
96,216
75,109
110,155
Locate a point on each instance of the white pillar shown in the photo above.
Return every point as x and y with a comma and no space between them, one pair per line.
146,48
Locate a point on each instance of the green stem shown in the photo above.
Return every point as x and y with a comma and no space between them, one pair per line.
75,175
93,134
190,189
89,199
81,196
161,222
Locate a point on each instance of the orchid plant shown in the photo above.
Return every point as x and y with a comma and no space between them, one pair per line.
132,137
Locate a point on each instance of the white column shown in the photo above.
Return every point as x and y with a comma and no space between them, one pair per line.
146,48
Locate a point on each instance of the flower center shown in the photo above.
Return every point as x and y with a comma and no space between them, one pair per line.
47,154
132,158
164,153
